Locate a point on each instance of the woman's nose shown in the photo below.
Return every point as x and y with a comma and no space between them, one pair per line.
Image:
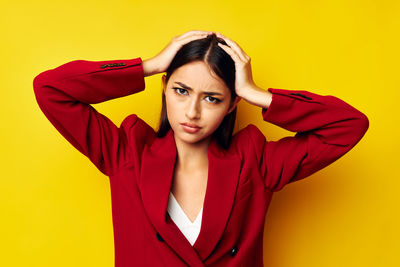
193,110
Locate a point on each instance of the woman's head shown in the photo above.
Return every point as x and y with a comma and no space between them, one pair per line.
199,89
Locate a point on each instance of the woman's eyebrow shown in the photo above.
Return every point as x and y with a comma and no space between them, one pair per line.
188,88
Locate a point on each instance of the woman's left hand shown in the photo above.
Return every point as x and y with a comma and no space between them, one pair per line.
244,84
244,77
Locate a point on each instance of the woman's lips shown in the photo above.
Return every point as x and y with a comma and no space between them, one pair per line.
190,129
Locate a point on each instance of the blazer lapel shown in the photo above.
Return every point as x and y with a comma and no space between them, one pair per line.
223,176
156,175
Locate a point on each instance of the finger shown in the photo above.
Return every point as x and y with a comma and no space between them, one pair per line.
231,52
230,42
191,38
235,46
198,35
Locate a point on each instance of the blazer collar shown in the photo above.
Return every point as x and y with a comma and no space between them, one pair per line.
156,175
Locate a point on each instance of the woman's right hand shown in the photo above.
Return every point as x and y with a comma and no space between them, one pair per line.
162,60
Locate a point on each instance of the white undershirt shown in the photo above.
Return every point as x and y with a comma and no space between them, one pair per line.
189,230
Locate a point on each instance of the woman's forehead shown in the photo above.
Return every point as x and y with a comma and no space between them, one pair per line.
197,75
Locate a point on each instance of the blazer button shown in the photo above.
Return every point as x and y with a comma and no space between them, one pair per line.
234,251
159,237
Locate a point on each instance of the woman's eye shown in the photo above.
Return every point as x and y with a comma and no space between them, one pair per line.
213,99
179,90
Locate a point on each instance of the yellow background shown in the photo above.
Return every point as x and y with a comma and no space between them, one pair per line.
56,206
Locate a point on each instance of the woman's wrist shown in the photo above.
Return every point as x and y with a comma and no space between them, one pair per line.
257,96
149,67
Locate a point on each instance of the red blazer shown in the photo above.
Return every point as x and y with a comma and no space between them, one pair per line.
140,166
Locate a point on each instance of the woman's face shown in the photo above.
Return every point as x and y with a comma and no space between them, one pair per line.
197,96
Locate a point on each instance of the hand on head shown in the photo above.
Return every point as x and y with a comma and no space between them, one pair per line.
163,59
244,80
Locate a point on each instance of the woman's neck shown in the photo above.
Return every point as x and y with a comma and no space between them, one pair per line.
192,156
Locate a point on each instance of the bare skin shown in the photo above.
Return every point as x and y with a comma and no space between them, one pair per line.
200,108
189,188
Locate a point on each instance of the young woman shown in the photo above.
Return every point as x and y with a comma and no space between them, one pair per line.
192,193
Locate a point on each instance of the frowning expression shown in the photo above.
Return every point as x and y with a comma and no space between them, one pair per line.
196,96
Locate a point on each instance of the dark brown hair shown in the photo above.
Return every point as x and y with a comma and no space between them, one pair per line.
207,51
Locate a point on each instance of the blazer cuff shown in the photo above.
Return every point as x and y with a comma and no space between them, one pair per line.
282,102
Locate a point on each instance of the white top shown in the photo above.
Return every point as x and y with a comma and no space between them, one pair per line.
189,230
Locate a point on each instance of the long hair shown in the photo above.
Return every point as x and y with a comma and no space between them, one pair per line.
207,51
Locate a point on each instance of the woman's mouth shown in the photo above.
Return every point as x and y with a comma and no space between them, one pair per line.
190,128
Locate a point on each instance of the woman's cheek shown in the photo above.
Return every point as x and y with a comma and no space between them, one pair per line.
215,118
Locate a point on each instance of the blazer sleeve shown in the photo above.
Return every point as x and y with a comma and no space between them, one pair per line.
64,95
326,126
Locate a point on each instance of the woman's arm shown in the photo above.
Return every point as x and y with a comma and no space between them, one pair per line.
326,126
257,96
150,67
64,95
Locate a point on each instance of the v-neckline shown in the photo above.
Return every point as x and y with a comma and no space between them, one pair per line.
223,176
196,221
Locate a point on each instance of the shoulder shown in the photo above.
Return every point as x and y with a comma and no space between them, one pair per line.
251,132
249,138
137,130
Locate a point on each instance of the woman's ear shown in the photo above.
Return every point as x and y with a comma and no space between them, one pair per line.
234,104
